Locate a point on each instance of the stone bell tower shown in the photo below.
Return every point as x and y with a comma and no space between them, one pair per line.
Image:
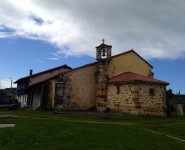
103,56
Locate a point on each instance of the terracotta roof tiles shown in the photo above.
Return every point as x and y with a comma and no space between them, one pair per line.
133,77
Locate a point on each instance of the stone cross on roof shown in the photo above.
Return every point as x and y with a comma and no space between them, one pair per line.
103,41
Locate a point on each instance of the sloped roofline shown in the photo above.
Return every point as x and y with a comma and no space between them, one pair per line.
132,51
81,67
104,45
134,77
39,73
86,65
93,63
51,77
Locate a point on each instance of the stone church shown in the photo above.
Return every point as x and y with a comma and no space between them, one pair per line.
122,83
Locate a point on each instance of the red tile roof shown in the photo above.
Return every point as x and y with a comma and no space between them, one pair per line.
133,77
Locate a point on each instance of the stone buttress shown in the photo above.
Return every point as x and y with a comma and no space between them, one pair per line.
103,56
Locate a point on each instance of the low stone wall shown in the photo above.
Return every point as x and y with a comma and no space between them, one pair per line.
137,99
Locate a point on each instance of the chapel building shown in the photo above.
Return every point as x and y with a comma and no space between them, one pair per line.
122,83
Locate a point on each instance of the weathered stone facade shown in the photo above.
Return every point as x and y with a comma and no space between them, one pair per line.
47,94
80,89
135,98
103,56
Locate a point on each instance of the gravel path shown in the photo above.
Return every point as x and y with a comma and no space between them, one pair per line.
7,125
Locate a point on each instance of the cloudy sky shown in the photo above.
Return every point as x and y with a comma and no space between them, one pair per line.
41,34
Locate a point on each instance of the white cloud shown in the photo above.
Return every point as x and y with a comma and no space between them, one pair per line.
6,83
153,28
5,35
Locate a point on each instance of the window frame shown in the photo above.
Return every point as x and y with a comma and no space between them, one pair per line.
151,92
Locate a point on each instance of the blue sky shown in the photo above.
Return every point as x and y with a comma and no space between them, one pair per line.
40,34
19,55
171,71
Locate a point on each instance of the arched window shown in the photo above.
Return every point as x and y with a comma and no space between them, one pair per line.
151,92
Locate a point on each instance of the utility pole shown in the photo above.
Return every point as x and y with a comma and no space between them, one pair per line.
11,85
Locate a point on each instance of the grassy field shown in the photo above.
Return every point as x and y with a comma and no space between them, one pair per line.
38,130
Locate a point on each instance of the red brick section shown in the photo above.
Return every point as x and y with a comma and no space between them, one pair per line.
133,77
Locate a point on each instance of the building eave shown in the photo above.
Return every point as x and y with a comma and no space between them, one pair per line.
130,77
40,73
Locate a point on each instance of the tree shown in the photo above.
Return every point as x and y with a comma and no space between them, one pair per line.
169,96
5,93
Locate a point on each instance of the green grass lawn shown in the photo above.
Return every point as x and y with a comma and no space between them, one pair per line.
39,130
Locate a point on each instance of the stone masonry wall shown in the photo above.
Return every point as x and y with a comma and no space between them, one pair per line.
101,87
137,99
152,104
80,89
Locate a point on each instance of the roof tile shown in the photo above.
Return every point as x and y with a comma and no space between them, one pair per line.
133,77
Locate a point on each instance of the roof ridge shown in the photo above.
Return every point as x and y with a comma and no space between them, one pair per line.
123,73
83,66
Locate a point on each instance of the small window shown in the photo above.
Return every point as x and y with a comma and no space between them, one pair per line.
118,89
151,92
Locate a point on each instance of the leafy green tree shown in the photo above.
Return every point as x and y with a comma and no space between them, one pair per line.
5,93
169,96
